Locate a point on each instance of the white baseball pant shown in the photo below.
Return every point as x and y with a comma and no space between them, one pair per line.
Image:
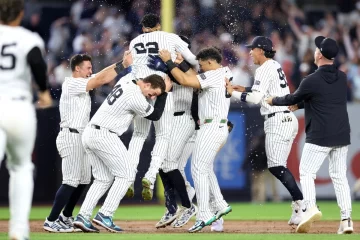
17,138
110,164
280,132
182,130
209,138
75,164
162,132
311,160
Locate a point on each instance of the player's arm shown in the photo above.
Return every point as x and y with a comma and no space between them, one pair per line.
109,73
39,70
301,94
188,79
142,108
182,45
249,97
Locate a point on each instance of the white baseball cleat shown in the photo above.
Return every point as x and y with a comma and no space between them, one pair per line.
310,215
298,212
218,225
346,226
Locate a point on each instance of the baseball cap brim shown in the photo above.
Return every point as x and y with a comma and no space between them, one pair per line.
249,46
318,41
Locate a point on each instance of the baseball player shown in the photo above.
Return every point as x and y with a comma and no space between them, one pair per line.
323,94
213,110
21,55
141,47
183,130
108,155
281,126
75,106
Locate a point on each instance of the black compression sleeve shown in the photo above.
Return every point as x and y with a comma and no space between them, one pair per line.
158,107
38,68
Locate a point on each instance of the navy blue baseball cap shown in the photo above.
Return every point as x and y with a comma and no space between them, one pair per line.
261,42
327,46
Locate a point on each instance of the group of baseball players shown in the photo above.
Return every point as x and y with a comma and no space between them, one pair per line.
188,99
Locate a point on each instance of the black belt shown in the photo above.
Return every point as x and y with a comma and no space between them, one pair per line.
73,130
98,127
179,113
273,114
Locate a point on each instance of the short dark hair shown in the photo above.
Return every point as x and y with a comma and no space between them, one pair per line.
156,82
10,10
210,53
78,59
186,39
268,54
150,20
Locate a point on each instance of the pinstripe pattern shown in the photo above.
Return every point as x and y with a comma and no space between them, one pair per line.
108,155
163,129
182,98
268,82
311,160
144,45
186,153
279,137
17,122
209,139
74,106
182,131
212,101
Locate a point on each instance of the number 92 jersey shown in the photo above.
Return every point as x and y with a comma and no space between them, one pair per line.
270,80
150,44
15,73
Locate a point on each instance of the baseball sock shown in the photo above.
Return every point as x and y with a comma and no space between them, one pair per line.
288,180
169,192
69,208
61,198
178,181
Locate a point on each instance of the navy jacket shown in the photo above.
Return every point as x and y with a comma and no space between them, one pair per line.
323,94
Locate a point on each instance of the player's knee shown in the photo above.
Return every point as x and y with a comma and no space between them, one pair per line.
71,183
106,183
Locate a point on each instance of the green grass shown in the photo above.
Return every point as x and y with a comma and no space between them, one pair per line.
195,236
241,211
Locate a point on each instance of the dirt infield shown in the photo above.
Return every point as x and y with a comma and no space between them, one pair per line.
229,227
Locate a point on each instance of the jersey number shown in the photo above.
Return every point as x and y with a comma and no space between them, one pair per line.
115,94
148,48
283,82
5,54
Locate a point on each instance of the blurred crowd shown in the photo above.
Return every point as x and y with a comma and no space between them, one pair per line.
104,31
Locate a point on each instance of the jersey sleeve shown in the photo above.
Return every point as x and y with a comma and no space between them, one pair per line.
183,48
262,80
140,106
77,85
33,40
209,79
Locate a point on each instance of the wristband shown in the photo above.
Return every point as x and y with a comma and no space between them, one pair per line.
184,66
171,65
119,67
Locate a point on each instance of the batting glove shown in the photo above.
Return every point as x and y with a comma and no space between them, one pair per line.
155,63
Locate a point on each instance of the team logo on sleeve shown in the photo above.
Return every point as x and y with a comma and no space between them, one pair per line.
202,75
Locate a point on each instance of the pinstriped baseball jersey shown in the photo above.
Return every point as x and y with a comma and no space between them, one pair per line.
15,44
150,44
75,103
213,99
270,80
118,110
182,98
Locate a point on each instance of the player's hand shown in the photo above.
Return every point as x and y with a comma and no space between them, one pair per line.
179,58
127,59
155,63
168,84
293,108
230,126
45,99
228,86
239,88
165,55
269,100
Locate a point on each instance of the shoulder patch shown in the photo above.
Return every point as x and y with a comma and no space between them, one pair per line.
257,82
202,75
